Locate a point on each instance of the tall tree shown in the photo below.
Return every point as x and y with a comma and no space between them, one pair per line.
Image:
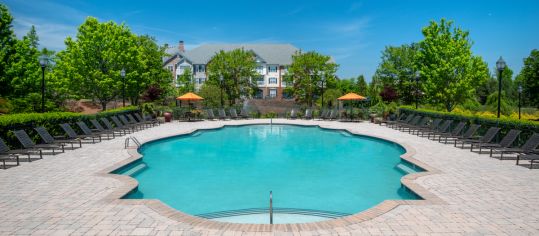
7,42
306,73
398,69
362,86
449,71
238,68
529,75
93,60
24,70
185,82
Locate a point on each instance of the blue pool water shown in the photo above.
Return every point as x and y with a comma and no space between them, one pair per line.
235,168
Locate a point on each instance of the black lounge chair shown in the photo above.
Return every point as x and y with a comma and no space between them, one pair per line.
121,125
333,115
427,127
70,132
528,147
27,143
49,139
87,131
127,122
418,121
408,120
487,138
9,155
121,129
470,133
99,127
443,128
533,158
222,114
142,123
148,119
233,113
323,114
308,114
506,142
390,123
209,114
453,133
244,114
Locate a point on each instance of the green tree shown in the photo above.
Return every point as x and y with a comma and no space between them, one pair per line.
330,97
7,40
211,94
449,71
529,75
238,68
362,86
346,85
306,74
24,70
185,82
91,63
398,69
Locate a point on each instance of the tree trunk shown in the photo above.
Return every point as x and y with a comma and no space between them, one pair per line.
103,106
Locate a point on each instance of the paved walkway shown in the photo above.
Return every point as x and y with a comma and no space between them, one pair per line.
66,195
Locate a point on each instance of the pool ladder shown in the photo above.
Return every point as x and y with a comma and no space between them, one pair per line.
271,208
128,139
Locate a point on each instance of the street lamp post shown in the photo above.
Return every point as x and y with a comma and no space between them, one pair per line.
122,73
322,81
43,61
519,94
500,65
417,77
221,79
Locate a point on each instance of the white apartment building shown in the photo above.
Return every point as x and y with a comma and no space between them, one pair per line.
272,59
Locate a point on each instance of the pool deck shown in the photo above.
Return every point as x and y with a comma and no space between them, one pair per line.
70,194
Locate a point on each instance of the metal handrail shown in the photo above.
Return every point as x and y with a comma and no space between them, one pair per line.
127,142
271,208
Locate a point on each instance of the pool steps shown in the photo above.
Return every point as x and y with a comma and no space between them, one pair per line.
253,211
135,169
405,169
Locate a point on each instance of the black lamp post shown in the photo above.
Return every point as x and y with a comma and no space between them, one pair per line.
122,73
519,94
500,65
43,61
221,79
323,81
417,77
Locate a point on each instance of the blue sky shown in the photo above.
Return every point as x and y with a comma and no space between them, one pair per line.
353,32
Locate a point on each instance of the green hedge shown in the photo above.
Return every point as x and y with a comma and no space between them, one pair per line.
527,127
49,120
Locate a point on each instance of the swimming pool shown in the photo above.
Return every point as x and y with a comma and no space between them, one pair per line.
227,174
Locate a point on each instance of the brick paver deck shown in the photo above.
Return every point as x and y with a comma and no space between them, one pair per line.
68,194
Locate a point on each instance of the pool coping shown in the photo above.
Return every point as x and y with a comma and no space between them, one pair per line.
130,184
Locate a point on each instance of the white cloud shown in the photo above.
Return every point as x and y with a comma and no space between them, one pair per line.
51,35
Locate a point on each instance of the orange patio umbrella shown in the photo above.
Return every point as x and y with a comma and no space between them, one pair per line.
190,97
351,96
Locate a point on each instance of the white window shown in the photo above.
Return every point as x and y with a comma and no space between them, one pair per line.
260,81
201,68
272,68
273,93
272,80
260,69
200,80
170,68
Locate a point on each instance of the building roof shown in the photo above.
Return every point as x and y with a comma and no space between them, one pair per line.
271,53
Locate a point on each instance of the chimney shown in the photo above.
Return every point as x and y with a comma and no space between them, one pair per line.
181,46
